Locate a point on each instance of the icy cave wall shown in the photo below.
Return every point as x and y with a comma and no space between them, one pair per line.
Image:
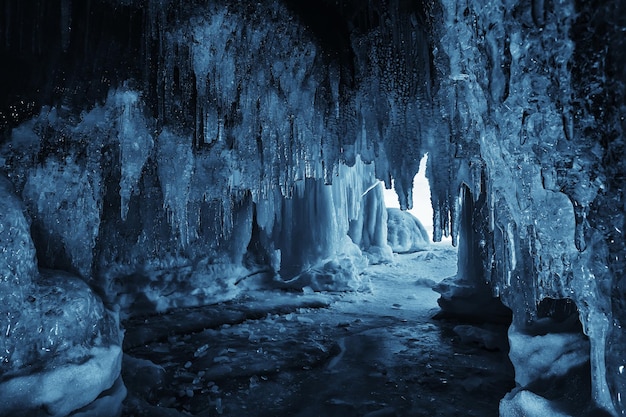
532,93
165,150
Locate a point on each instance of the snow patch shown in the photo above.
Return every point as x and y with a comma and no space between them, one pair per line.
545,356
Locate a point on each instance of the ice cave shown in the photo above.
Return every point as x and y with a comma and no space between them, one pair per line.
193,216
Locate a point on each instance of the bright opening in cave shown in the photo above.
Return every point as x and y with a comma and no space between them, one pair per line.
422,206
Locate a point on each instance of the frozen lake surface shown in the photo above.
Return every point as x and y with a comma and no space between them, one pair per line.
377,352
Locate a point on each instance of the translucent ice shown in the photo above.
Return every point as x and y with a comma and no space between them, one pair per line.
66,209
18,262
18,268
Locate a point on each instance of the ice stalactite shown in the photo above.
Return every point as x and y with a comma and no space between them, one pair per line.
360,202
351,222
135,141
600,82
175,170
66,227
470,287
61,191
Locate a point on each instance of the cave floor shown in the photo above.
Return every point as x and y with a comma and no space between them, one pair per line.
372,353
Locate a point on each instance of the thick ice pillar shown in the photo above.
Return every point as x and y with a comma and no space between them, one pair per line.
309,228
462,294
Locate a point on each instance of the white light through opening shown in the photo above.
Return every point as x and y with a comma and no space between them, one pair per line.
422,207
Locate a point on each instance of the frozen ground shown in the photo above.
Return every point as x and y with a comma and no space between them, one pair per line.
371,353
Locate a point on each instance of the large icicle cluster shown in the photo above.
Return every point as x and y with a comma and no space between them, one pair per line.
247,151
228,163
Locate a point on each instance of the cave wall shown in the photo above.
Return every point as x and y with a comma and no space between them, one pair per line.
533,132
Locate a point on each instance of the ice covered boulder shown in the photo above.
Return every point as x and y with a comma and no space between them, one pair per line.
481,336
63,352
339,274
179,286
460,298
60,347
405,233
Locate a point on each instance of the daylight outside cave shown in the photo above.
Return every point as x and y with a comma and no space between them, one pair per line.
298,208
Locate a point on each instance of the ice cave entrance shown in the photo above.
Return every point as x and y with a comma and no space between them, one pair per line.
422,207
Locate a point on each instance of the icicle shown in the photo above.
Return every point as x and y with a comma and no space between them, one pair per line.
437,232
568,124
455,215
136,144
175,170
477,178
580,214
227,217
